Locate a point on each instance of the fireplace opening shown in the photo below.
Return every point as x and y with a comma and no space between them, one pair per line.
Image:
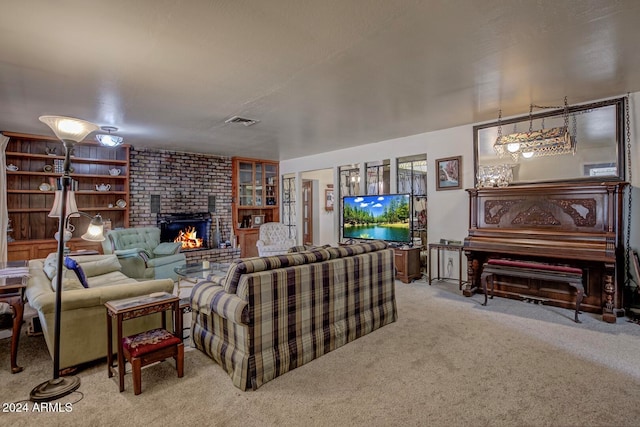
193,230
189,238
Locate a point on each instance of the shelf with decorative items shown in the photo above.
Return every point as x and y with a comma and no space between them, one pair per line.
34,164
255,199
289,204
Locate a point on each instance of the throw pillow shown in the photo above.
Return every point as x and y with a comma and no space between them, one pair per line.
70,281
98,267
51,265
71,264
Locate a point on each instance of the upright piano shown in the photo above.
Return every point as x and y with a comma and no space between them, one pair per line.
578,225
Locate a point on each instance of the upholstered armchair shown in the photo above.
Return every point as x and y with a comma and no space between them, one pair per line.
273,239
141,254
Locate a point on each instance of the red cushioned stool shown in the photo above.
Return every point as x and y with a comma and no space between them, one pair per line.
152,346
534,270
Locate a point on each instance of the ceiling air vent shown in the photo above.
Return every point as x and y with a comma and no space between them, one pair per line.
242,120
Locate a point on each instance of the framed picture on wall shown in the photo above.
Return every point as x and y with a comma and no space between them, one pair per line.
257,220
328,199
449,173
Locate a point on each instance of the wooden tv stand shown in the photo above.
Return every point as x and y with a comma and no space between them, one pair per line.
407,264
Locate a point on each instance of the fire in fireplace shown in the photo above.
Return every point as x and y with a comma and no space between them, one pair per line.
189,238
193,230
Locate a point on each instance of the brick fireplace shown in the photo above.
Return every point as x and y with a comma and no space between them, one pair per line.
192,229
184,182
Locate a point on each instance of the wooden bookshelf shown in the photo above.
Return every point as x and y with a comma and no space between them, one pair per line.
39,161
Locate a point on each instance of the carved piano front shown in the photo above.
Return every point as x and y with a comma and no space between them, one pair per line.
578,225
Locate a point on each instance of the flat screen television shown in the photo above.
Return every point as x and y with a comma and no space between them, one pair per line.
380,217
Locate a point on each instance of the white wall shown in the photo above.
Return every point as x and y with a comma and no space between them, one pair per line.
448,211
323,231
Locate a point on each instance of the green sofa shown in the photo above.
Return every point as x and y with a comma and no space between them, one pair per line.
83,329
142,255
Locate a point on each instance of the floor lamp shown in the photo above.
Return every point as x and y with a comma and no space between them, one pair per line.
70,131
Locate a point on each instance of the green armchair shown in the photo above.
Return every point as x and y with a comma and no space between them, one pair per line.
141,254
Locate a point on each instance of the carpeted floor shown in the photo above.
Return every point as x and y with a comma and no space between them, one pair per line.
447,361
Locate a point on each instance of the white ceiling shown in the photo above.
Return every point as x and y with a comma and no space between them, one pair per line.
320,75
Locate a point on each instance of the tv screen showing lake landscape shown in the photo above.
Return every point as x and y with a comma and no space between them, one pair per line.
380,217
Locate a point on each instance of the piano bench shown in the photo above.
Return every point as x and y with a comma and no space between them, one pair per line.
533,270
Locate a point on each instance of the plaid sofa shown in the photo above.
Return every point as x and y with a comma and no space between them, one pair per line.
270,315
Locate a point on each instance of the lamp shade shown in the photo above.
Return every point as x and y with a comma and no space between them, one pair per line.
72,207
95,231
68,128
109,140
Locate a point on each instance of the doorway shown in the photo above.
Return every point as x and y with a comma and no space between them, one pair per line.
314,218
307,212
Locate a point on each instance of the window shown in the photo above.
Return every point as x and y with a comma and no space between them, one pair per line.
412,179
378,177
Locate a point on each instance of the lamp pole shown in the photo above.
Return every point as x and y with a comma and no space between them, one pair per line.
59,386
69,131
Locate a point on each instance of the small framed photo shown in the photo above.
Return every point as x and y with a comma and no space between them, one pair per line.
449,173
257,220
328,199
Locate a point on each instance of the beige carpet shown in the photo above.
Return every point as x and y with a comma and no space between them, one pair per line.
447,361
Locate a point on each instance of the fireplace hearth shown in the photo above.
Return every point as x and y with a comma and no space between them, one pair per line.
192,229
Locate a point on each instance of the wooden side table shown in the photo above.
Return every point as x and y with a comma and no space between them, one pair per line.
441,248
12,292
407,264
130,308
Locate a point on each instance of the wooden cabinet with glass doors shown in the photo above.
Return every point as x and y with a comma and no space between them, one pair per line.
34,164
412,179
255,200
